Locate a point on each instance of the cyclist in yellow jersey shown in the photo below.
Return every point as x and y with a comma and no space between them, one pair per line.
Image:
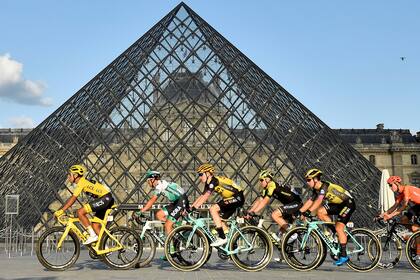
329,199
232,198
102,201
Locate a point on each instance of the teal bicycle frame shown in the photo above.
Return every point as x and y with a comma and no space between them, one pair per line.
335,250
200,224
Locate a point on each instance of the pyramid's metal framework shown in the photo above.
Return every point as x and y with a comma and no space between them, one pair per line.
179,96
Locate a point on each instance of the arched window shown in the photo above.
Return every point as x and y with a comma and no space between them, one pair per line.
414,159
372,159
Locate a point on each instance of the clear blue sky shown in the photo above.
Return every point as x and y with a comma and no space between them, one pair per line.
341,59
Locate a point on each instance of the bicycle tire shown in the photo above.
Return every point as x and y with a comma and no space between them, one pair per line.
266,241
41,252
145,259
410,251
374,241
176,239
134,245
390,255
292,260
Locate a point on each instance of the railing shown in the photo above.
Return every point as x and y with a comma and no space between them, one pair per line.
17,242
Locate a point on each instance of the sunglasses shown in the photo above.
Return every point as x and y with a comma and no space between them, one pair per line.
261,180
308,180
200,174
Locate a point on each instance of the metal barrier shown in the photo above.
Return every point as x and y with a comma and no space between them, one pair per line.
17,242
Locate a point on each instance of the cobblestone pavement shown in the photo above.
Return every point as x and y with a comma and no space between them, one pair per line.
28,267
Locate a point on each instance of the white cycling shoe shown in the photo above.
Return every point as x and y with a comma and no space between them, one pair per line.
219,242
90,239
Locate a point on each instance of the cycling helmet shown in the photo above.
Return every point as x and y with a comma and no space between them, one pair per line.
205,168
266,174
394,179
152,174
311,173
77,169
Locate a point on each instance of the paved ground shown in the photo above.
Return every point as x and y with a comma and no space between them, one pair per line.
27,267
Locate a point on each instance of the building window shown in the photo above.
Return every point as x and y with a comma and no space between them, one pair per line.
414,159
415,181
372,159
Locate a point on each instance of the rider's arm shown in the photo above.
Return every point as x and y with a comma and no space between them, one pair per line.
149,203
262,203
392,209
69,202
201,199
403,206
255,204
317,203
306,206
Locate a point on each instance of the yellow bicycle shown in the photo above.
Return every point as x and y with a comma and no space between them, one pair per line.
58,248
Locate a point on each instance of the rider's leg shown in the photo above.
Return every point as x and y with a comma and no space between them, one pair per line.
81,214
278,218
169,225
406,222
161,216
96,227
323,215
214,212
342,237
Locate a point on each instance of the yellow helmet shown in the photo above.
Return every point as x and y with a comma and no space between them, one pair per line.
205,168
77,169
311,173
266,174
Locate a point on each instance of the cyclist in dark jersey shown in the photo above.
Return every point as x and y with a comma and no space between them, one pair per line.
289,198
232,198
329,199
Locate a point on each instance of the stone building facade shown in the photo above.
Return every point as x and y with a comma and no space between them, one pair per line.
394,149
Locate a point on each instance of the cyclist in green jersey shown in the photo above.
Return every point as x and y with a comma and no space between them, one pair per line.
169,214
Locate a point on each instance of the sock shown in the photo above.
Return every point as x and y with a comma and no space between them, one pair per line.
221,232
91,231
343,251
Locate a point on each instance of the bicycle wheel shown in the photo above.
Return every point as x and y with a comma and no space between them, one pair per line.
364,250
391,250
258,256
129,255
411,250
303,251
57,259
186,250
149,250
